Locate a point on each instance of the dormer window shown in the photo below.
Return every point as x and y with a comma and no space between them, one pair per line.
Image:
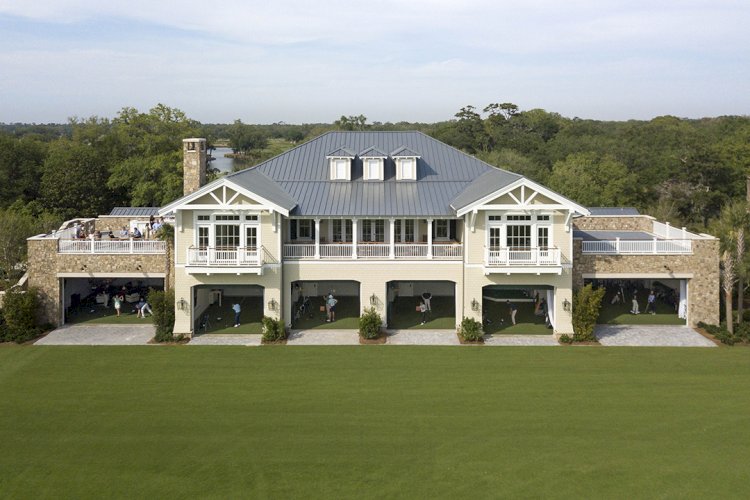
373,161
406,164
340,164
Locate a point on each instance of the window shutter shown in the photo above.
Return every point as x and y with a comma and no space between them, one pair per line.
452,229
293,229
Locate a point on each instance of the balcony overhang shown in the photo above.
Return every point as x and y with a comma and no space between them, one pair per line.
238,270
538,270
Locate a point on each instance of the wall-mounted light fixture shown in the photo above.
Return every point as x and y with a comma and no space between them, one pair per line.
84,267
272,305
566,305
474,305
182,304
138,267
373,300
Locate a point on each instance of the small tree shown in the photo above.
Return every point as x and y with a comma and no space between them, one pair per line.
162,304
370,323
19,314
273,329
586,304
470,330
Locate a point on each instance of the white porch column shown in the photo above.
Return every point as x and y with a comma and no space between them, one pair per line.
354,238
392,249
317,238
429,238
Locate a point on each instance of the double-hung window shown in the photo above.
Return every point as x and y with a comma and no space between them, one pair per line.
341,231
373,230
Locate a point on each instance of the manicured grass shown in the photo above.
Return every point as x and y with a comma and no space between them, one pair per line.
347,315
221,318
373,422
442,316
99,315
498,314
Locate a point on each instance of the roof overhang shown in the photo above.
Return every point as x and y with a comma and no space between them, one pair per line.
184,202
561,201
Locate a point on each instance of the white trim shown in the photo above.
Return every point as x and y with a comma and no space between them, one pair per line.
523,270
184,202
225,270
375,262
524,182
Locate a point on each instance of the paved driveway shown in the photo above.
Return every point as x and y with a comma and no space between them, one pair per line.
650,336
99,335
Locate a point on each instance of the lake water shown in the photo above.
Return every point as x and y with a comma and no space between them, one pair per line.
221,162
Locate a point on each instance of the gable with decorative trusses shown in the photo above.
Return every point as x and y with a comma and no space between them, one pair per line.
226,195
523,194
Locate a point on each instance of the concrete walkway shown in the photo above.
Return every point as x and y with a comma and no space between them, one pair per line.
532,340
323,337
99,335
422,337
650,336
227,339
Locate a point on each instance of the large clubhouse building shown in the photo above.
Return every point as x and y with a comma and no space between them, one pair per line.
375,218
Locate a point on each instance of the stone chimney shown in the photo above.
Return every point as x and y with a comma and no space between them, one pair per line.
194,162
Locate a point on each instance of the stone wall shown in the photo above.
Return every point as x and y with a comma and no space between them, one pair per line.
702,265
45,264
633,223
106,223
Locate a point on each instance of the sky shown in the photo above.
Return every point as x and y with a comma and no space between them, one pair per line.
304,61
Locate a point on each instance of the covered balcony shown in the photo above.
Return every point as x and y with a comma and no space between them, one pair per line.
373,239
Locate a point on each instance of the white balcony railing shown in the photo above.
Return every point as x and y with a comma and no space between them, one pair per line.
109,246
638,247
223,256
522,256
403,251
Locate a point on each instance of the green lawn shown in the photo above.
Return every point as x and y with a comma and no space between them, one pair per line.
373,422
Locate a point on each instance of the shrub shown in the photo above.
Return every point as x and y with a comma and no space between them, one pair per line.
273,329
19,315
723,335
565,339
162,304
586,304
370,323
470,330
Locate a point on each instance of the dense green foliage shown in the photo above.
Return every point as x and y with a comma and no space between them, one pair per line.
162,305
470,330
16,224
391,422
273,329
586,304
19,316
740,334
370,324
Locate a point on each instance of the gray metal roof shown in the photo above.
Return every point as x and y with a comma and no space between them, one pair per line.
259,183
486,184
443,173
591,235
610,211
134,211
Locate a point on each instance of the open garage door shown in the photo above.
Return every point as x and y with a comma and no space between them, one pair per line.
90,300
518,309
405,298
310,300
215,308
626,301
